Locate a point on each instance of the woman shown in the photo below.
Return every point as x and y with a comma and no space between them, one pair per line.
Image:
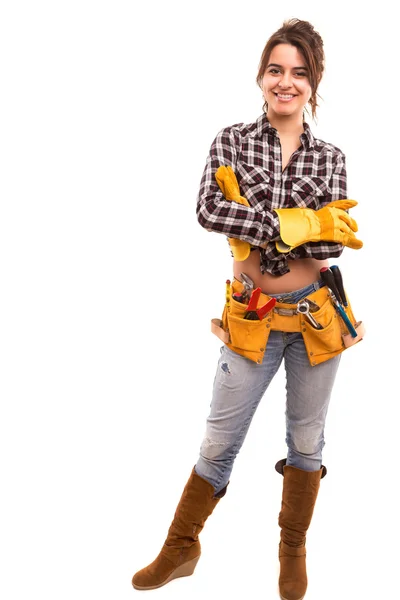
282,229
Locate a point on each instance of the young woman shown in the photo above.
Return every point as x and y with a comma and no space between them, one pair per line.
283,225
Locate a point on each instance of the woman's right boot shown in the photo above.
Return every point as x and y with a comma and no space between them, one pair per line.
181,549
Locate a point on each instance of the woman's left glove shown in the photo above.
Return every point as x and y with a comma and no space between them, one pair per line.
229,186
330,224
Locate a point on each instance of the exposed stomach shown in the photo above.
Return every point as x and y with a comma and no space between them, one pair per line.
302,272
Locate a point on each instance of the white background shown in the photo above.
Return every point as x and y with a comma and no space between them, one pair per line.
108,285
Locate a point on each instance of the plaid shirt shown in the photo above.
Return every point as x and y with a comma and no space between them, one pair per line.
314,176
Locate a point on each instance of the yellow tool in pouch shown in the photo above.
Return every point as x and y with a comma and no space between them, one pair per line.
250,338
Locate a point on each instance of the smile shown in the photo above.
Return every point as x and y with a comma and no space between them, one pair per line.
284,97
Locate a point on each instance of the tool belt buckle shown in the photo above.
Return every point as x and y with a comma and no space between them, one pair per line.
286,312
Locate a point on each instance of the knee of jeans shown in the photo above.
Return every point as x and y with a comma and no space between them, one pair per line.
212,448
306,444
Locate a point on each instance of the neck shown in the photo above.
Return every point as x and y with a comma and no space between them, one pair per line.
286,125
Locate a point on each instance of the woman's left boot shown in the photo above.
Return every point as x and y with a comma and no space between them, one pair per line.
300,491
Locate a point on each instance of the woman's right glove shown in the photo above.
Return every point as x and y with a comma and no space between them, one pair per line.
229,186
330,224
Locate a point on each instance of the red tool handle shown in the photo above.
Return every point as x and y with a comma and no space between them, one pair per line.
266,308
255,296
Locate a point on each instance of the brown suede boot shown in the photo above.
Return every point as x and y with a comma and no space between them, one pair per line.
300,491
181,549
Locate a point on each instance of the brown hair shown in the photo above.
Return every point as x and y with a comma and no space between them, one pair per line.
302,35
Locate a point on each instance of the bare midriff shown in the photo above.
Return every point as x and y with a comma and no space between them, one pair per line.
302,272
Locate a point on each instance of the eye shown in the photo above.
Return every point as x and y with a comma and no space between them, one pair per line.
301,74
273,71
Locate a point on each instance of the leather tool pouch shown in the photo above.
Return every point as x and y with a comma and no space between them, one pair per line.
250,338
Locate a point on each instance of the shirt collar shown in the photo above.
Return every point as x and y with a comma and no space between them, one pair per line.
264,126
307,137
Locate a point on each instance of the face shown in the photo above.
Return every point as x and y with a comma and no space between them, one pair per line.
285,84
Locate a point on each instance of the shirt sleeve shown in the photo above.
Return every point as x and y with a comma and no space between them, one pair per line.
336,190
215,213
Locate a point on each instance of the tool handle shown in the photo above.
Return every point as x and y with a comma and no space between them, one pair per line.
328,279
254,298
346,320
339,283
266,308
239,297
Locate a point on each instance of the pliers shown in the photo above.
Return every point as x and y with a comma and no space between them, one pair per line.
253,313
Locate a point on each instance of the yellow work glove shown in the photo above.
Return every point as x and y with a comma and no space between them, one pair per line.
229,186
329,224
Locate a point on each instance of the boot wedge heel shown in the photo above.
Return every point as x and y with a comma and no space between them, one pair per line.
182,571
181,550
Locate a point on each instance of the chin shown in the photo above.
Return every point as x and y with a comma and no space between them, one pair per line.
284,112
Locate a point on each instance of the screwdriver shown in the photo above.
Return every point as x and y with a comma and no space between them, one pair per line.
239,297
328,279
339,283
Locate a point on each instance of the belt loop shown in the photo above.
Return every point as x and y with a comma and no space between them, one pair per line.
317,285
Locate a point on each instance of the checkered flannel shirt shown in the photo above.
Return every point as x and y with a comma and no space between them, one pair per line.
314,176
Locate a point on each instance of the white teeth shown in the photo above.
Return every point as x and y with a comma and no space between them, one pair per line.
285,96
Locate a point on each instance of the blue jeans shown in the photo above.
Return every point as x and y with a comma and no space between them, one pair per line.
239,386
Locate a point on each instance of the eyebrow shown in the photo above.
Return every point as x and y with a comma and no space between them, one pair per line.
280,66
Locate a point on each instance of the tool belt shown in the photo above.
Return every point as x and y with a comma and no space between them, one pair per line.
249,338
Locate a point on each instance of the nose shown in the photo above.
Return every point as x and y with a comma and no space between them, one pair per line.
286,81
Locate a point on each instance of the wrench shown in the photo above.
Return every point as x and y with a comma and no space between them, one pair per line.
303,308
248,286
